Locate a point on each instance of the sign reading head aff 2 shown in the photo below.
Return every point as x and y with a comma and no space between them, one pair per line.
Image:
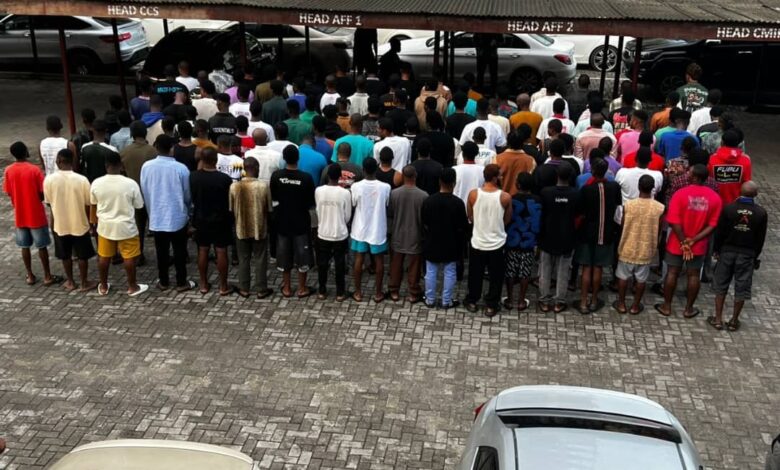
137,11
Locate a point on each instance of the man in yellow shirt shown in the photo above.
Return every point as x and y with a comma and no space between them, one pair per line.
526,116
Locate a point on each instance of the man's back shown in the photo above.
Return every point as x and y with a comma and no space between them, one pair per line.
293,191
369,224
67,193
512,163
23,183
133,158
275,110
93,159
250,202
693,207
730,168
361,148
267,159
312,162
444,222
405,211
165,184
467,178
116,197
334,208
599,203
641,218
559,209
428,173
741,228
210,198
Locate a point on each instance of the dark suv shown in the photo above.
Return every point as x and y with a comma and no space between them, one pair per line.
745,71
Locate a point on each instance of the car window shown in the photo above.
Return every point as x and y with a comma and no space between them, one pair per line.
511,41
55,22
487,459
17,23
543,39
465,40
265,31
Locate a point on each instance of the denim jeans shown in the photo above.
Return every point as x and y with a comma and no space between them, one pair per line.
450,278
562,266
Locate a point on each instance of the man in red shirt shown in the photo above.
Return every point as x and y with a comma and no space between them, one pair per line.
730,167
23,183
692,215
657,162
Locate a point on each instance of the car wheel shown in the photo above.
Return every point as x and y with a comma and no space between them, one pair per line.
597,58
670,83
83,63
526,80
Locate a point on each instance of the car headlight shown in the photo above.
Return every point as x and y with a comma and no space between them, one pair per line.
647,54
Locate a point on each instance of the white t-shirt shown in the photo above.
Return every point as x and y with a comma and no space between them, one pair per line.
279,146
334,208
230,165
628,179
328,98
358,103
50,146
116,197
495,136
190,82
484,158
240,109
467,178
267,159
567,126
269,130
370,198
206,107
502,122
699,118
402,150
544,106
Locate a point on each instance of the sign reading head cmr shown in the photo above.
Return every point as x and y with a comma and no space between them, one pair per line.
127,11
727,32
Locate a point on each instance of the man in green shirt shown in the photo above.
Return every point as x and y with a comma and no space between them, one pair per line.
296,127
362,147
312,109
693,94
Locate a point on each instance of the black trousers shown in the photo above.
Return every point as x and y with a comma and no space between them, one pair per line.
327,250
494,260
163,241
490,62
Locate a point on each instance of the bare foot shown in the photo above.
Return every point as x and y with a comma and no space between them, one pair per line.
69,286
31,279
88,286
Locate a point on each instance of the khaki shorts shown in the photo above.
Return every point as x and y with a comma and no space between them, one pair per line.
128,249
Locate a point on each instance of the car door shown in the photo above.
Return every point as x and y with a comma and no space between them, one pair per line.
47,36
513,53
730,66
465,54
15,42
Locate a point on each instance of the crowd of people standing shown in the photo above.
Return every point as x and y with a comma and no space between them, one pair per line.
541,191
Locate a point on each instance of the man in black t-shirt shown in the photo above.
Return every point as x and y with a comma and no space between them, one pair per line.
442,145
212,218
93,154
222,123
459,119
547,174
559,210
428,171
167,88
293,192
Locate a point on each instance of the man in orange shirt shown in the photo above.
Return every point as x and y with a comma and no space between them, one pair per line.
661,118
514,161
526,116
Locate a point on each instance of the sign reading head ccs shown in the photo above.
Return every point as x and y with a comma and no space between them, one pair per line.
329,19
552,27
137,11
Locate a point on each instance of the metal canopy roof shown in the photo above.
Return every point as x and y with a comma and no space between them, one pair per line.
755,20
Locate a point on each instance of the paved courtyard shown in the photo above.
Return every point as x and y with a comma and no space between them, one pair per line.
309,384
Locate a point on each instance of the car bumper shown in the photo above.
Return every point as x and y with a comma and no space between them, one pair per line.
134,56
567,75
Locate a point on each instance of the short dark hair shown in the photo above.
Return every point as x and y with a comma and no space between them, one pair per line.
293,107
424,147
208,86
242,123
491,171
483,105
168,124
555,125
223,98
88,115
66,155
557,148
731,138
699,156
524,181
225,141
643,157
460,100
369,166
319,123
277,87
386,155
334,172
291,155
700,172
53,123
185,129
281,131
448,176
137,129
113,160
645,139
164,143
100,125
694,71
559,106
124,118
599,167
386,124
565,170
646,184
255,108
470,150
209,156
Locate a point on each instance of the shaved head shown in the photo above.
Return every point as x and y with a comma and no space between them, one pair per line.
749,189
260,136
523,100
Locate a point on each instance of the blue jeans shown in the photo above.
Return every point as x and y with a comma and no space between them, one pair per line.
450,278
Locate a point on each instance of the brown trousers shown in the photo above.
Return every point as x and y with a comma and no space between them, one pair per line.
397,273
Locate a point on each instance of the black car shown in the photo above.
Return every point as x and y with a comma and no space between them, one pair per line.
745,71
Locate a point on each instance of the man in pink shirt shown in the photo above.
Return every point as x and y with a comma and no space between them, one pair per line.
628,140
589,139
692,215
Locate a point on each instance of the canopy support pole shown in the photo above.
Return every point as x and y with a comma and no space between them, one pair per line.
308,47
635,66
604,52
446,57
436,48
280,49
618,67
165,26
452,57
120,69
34,44
66,82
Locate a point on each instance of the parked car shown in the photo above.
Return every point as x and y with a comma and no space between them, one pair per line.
384,36
149,454
589,49
90,41
571,428
522,58
210,48
745,71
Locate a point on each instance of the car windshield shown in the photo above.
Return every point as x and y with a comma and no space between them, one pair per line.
543,39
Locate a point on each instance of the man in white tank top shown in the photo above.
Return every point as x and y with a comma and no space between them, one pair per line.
489,210
52,144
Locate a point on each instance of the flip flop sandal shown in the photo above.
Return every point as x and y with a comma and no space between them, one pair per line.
341,298
54,280
31,280
414,299
395,297
244,295
523,306
356,297
639,310
718,325
560,308
308,292
379,298
205,290
472,308
161,287
322,296
733,325
543,307
695,313
616,307
491,312
598,306
265,294
286,295
230,291
581,308
507,303
660,309
102,292
141,289
190,285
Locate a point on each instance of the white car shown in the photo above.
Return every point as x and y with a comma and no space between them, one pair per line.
150,454
576,428
589,49
384,36
522,58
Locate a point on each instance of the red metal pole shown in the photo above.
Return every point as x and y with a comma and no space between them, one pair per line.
603,82
618,66
66,81
635,66
120,70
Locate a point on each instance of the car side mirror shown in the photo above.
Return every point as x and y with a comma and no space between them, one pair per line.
712,42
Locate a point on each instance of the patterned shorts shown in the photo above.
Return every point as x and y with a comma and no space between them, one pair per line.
519,264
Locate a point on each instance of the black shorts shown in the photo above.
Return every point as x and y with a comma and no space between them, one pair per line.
219,237
294,250
65,246
734,266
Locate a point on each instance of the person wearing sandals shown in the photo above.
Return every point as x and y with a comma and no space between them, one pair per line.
521,236
692,215
405,224
490,211
211,218
599,200
737,244
556,243
115,199
334,209
638,243
370,198
292,193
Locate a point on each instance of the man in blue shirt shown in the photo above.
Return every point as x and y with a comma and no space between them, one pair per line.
165,184
670,142
362,147
310,160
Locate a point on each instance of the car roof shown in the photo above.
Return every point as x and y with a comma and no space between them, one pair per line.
150,454
581,398
585,449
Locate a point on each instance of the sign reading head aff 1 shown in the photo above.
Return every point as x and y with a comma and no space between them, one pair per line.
135,11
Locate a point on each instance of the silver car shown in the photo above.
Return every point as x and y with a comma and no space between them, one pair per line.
90,41
575,428
522,58
150,454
